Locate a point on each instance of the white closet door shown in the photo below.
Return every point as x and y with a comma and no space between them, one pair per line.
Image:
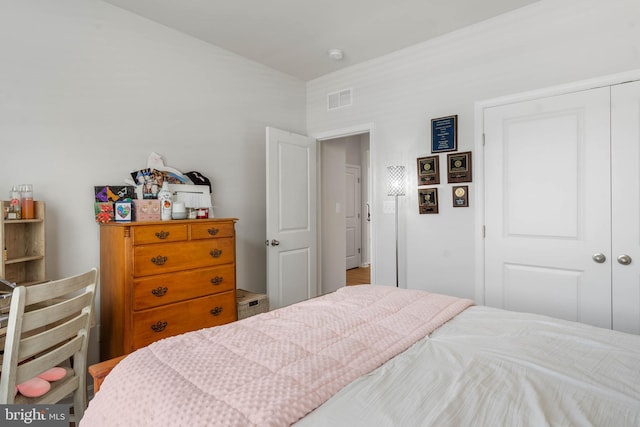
547,206
625,196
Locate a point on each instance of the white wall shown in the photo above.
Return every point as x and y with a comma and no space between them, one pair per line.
88,91
550,42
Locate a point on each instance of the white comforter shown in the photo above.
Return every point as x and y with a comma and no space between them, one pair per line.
489,367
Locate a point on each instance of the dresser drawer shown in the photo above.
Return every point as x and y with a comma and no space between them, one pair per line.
174,319
170,257
159,233
207,231
163,289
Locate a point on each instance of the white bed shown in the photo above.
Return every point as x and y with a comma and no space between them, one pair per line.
490,367
483,367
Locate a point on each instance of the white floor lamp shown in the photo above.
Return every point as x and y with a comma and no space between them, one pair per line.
396,187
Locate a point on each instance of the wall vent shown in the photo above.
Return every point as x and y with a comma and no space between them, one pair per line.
339,99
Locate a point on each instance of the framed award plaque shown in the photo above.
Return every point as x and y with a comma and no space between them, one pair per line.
459,167
428,170
444,134
428,200
460,196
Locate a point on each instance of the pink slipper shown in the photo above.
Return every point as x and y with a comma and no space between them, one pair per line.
53,374
34,387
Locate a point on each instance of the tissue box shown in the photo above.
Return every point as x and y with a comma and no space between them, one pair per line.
104,212
147,209
123,211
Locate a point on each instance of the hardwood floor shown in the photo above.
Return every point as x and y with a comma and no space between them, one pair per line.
359,276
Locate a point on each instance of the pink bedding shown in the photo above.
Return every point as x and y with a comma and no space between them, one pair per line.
270,369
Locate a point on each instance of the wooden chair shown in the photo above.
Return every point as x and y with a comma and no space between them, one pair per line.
49,326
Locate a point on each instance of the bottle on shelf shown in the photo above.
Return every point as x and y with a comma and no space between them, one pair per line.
28,211
166,201
15,205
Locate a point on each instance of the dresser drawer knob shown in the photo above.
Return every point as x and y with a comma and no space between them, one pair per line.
162,235
159,327
216,311
216,253
213,231
159,291
159,260
217,280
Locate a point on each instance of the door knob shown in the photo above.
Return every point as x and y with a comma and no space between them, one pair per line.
624,259
599,257
274,242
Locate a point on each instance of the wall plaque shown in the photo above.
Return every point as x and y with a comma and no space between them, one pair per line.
444,134
428,200
460,196
459,167
428,170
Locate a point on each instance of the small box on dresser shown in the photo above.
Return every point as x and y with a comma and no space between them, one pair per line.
146,209
164,278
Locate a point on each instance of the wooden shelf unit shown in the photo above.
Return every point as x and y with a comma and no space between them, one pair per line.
23,244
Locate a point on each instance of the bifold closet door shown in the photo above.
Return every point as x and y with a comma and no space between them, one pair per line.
625,196
547,206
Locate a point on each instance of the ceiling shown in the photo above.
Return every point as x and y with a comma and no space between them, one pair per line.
294,36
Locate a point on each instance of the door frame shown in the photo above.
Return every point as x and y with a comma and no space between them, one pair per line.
341,133
479,108
358,221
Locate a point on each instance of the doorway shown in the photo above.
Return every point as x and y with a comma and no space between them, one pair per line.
340,151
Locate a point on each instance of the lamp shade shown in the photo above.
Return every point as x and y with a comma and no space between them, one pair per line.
395,181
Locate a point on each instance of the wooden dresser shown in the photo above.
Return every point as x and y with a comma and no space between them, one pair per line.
164,278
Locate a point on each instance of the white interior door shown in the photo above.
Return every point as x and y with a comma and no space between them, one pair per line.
352,216
625,197
291,217
547,206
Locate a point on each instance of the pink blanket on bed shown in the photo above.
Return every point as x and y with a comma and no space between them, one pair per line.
270,369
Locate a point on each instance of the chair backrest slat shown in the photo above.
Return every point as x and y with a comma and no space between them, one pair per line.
58,288
46,339
50,314
38,365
